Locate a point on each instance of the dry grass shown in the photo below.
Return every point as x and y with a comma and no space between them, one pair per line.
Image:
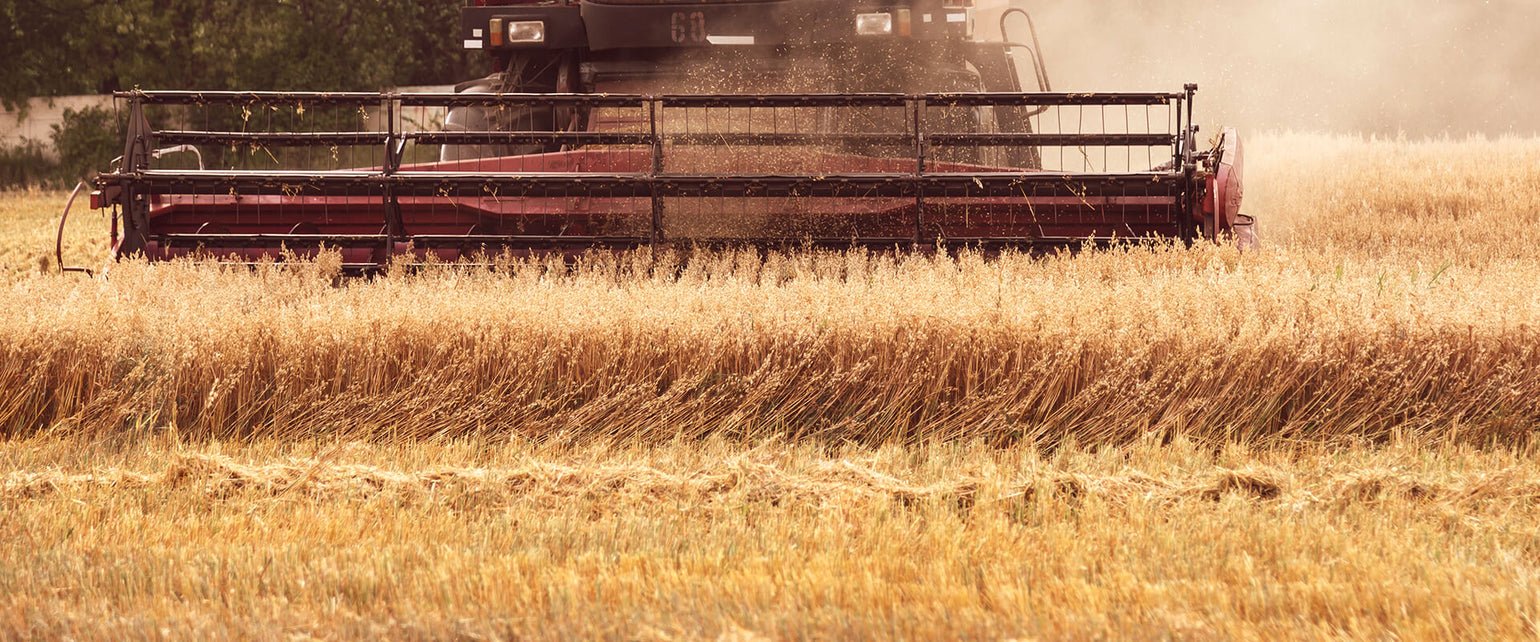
1331,437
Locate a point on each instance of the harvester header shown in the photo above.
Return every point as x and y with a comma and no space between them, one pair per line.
788,122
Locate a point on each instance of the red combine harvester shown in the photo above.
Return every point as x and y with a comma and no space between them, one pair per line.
627,123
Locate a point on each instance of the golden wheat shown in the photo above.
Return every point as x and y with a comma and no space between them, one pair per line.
1399,294
1103,347
141,537
29,223
1332,437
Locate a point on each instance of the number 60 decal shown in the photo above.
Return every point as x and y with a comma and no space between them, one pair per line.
687,26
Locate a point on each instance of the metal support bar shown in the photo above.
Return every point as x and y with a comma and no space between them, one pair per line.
365,99
712,139
656,227
160,97
432,241
1189,168
975,184
992,139
786,100
295,139
503,138
393,224
919,169
997,99
273,240
533,100
777,139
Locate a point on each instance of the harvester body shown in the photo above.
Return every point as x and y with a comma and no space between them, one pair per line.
634,123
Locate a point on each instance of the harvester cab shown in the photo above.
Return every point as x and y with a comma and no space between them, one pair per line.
631,123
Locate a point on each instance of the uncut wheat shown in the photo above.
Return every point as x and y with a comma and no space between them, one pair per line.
1386,302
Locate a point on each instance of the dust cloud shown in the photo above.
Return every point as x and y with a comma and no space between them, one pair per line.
1384,67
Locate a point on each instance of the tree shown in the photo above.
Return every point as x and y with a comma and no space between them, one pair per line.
58,47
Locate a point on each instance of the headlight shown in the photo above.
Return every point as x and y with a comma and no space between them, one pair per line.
531,31
874,24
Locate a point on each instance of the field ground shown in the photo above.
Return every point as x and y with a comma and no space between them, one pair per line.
1334,436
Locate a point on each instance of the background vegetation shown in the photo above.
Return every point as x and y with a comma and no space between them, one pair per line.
66,47
62,47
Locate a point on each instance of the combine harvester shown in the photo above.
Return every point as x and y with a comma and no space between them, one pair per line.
628,123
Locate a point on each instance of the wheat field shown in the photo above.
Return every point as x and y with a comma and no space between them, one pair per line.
1332,436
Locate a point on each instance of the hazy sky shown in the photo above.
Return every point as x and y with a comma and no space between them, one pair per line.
1419,67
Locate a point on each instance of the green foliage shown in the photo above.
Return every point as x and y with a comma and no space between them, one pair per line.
86,141
59,47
